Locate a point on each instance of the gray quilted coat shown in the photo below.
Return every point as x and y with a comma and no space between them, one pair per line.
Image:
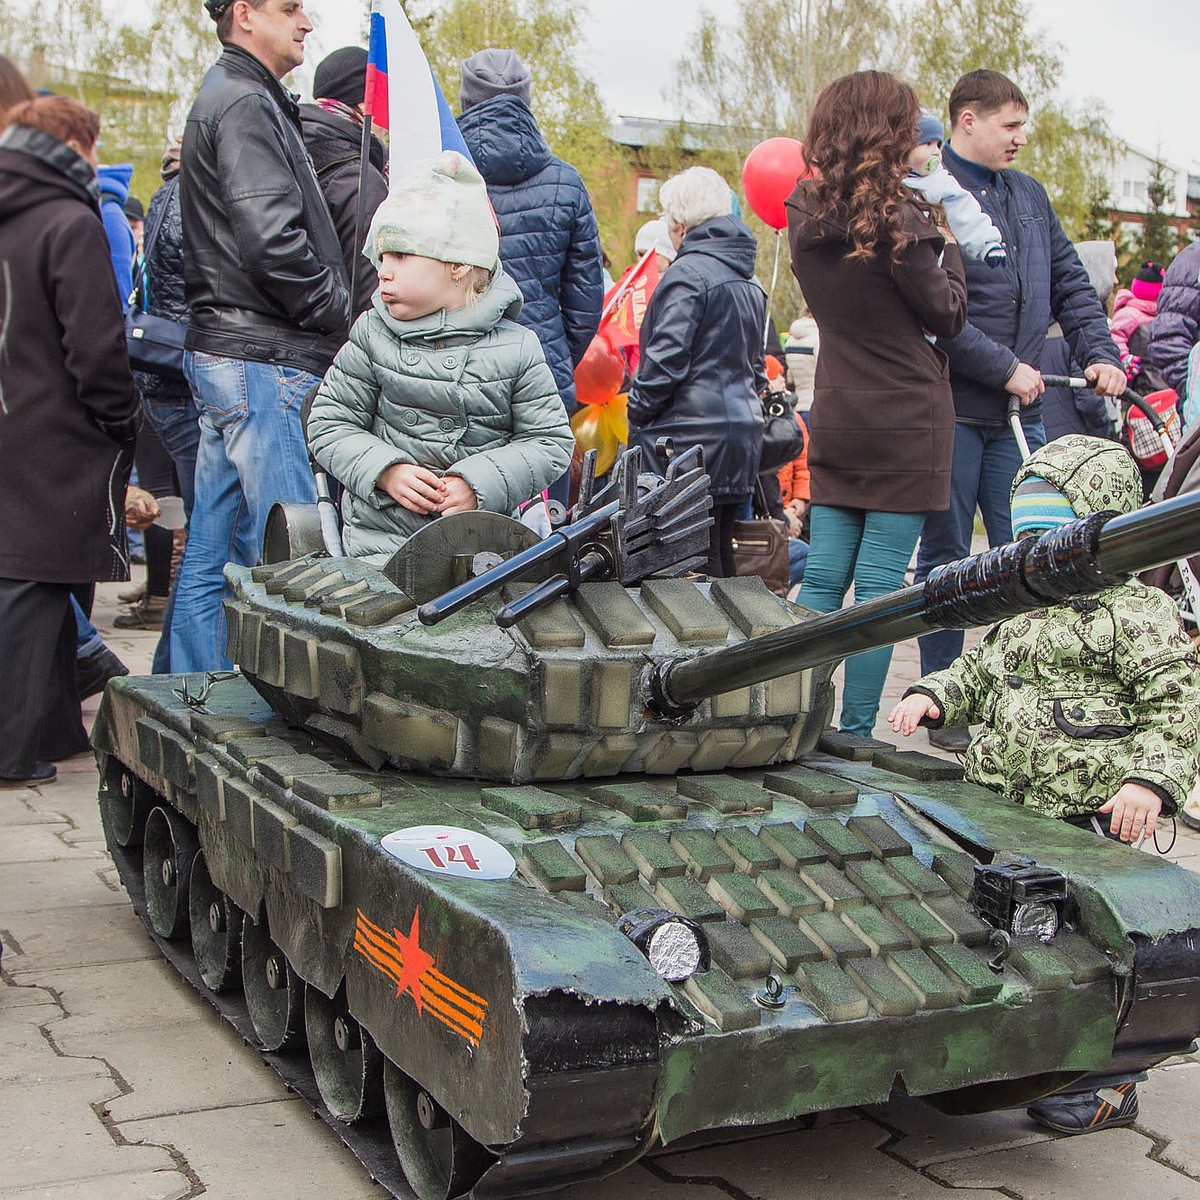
466,393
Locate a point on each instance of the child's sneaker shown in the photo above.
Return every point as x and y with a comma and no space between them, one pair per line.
1088,1112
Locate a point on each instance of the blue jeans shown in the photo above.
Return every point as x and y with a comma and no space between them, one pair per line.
87,636
986,458
177,422
871,550
251,456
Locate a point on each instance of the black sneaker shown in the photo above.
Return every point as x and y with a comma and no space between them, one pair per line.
1088,1112
954,740
42,773
94,670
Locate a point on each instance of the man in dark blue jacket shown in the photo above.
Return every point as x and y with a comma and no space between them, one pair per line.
548,238
999,353
1176,325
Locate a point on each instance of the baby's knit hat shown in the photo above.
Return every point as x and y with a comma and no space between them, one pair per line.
654,233
1073,476
1147,281
439,209
930,129
489,73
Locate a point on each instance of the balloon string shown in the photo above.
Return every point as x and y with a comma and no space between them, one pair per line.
771,293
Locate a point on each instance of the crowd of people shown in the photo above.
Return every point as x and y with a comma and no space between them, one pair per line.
431,372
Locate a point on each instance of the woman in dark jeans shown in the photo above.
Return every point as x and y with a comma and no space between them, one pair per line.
881,274
701,374
167,403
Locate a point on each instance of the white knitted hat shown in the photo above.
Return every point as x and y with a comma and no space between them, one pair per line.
439,209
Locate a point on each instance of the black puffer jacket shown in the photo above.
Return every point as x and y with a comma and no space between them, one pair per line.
548,238
264,270
67,400
701,372
1010,307
335,146
162,276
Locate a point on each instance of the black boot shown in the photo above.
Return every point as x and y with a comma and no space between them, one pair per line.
1088,1112
94,670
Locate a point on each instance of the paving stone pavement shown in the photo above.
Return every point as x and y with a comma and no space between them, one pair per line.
118,1083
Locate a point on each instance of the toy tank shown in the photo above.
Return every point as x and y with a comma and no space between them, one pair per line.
524,860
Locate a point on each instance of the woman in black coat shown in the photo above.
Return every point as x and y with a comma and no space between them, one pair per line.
701,376
68,417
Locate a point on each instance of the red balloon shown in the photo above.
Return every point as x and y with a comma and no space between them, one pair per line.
600,373
771,171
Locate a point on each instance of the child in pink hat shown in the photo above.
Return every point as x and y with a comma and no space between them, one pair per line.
1134,307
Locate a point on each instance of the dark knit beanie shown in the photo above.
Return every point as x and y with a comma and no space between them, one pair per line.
342,76
1147,281
134,210
493,73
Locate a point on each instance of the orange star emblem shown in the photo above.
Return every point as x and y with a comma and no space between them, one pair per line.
414,961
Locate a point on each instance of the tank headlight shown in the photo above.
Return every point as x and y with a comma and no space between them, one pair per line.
1020,898
1039,920
675,946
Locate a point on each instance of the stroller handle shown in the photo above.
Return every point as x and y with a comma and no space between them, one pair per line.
1128,396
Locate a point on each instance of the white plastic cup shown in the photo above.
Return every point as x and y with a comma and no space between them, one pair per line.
170,514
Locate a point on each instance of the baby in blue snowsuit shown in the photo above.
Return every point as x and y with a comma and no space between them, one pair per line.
977,236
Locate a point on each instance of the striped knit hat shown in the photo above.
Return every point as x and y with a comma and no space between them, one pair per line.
1037,505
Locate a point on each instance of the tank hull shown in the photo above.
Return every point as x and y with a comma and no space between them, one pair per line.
539,1030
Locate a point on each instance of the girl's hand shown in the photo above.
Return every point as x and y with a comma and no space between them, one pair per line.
907,715
416,488
459,496
1134,811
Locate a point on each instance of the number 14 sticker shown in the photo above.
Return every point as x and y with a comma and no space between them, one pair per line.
449,850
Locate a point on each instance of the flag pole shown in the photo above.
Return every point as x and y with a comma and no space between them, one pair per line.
364,165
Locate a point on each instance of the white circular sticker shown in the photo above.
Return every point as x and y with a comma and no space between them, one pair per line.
447,850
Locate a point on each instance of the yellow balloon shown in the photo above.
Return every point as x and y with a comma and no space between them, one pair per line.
593,429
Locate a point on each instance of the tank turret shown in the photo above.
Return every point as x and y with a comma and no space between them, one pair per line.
479,652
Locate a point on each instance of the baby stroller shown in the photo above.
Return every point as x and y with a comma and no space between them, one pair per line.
1179,466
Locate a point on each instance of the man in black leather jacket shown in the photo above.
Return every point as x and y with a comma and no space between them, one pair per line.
266,289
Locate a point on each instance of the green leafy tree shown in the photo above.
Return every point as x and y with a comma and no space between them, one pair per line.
1157,241
139,78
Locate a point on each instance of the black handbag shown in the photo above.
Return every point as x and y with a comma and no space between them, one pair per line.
782,437
155,344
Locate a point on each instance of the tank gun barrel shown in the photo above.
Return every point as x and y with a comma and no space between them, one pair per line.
1078,559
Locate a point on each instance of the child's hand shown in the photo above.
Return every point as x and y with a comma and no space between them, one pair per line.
1134,811
417,488
907,715
460,496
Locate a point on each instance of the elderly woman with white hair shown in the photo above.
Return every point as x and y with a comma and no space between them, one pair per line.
701,372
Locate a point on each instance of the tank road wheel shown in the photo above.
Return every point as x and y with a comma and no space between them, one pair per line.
216,930
438,1157
167,852
127,803
346,1063
274,992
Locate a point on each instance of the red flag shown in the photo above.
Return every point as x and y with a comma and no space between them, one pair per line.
625,305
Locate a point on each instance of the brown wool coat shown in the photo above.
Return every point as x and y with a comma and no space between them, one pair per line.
881,428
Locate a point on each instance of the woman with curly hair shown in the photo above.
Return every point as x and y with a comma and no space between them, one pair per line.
883,276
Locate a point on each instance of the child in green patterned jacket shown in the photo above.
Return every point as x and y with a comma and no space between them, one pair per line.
1090,707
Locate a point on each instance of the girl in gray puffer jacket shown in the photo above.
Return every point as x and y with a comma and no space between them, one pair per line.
439,403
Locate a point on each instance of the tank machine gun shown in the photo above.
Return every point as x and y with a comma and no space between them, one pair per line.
624,867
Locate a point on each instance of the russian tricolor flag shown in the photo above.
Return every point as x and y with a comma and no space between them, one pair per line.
402,96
